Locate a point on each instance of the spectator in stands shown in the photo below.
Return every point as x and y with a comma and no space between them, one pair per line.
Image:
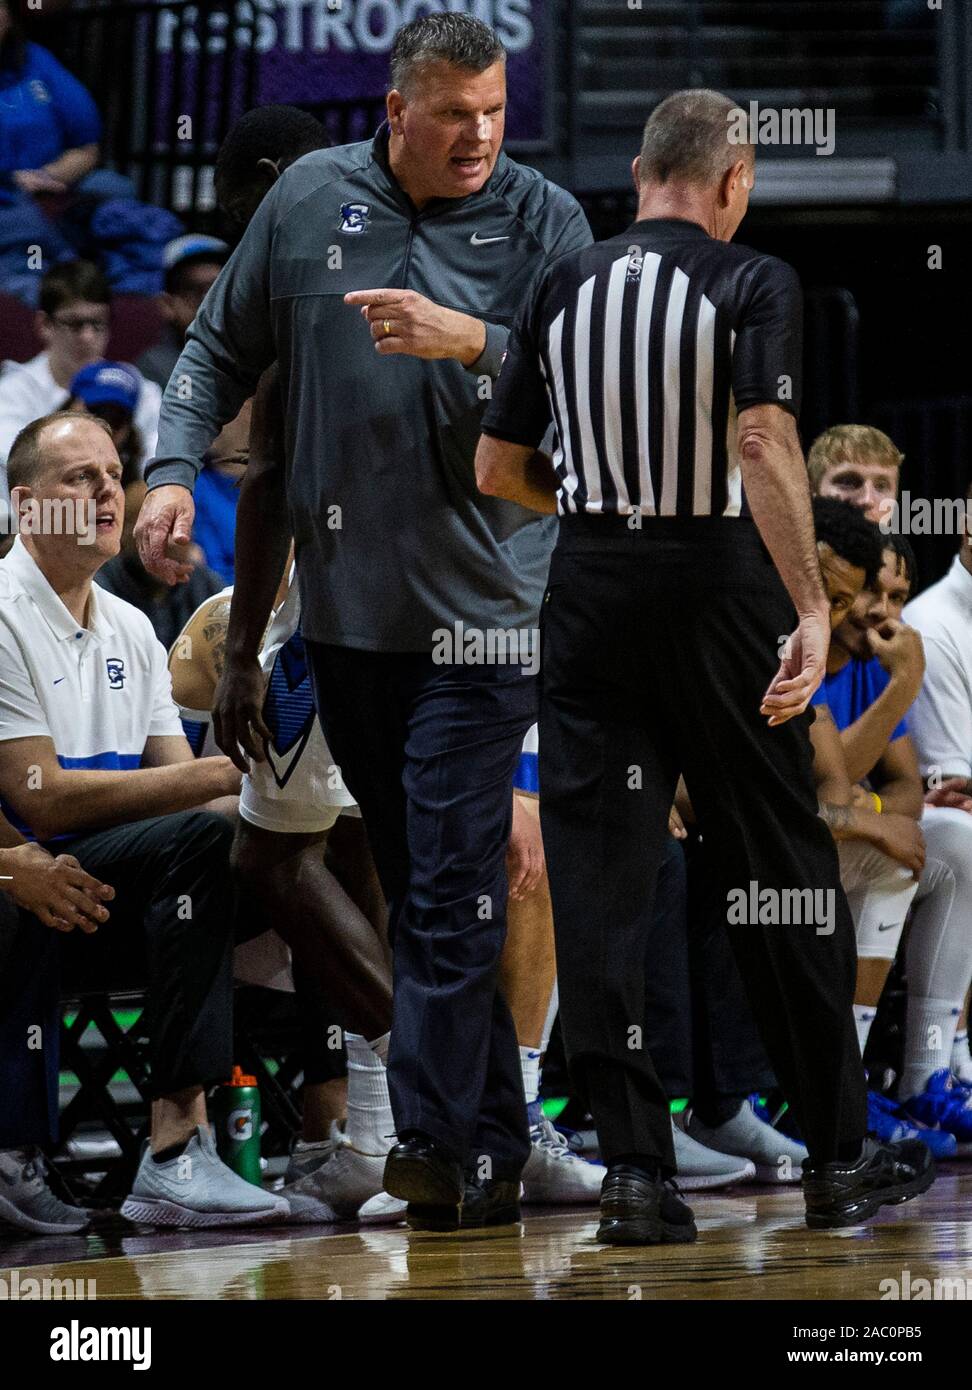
73,322
111,390
49,145
217,494
92,756
941,719
191,266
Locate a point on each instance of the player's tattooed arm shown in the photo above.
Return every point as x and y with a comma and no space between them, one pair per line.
838,819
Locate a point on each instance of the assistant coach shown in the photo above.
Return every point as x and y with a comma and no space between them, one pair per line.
670,362
395,543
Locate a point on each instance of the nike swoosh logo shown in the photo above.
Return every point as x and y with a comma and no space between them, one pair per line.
59,679
887,926
477,240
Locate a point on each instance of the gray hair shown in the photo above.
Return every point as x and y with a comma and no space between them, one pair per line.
687,138
438,38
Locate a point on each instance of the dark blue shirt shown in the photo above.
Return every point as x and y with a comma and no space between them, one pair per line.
852,690
43,112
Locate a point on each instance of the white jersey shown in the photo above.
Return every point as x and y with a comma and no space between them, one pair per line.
299,789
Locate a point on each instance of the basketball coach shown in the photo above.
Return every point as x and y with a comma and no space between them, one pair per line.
383,277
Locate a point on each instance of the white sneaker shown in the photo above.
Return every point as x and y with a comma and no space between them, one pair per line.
28,1203
555,1174
336,1190
698,1167
306,1158
777,1157
383,1210
197,1189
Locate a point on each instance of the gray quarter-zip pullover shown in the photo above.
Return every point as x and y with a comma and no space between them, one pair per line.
393,538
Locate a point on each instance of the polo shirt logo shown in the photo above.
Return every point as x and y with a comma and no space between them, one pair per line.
354,218
116,672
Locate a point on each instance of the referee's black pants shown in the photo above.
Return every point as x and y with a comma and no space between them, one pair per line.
658,645
429,752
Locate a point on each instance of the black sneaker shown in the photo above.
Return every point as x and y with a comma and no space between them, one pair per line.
843,1194
638,1210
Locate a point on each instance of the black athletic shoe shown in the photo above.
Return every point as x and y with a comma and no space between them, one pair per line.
419,1172
637,1210
490,1202
843,1194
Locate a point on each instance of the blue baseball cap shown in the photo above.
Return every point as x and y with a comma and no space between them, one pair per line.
103,383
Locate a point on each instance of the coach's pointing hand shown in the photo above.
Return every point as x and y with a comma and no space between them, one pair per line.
802,668
164,522
403,321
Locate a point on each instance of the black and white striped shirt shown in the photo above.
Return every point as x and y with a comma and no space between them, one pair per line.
642,350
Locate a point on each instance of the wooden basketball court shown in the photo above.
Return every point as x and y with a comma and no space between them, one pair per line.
753,1245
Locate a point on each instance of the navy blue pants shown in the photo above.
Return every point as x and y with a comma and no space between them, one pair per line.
429,751
30,1021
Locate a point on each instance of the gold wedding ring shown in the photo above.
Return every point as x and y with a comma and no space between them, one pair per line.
386,325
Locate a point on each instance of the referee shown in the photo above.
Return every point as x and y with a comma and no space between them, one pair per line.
670,361
383,276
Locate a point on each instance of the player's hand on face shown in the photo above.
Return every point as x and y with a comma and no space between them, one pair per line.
802,668
402,321
57,891
238,725
899,649
163,533
524,854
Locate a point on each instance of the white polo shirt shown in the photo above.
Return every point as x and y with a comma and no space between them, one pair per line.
98,692
940,720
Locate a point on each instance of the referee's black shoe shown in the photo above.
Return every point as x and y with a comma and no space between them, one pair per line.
637,1209
420,1172
490,1202
843,1194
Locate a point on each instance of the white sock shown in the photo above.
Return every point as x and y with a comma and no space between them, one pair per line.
864,1016
929,1034
961,1056
530,1066
548,1022
370,1126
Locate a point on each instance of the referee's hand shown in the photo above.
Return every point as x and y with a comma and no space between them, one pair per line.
802,668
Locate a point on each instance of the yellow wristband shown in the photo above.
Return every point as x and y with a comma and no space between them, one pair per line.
877,801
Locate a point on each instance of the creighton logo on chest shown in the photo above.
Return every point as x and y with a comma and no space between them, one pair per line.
354,218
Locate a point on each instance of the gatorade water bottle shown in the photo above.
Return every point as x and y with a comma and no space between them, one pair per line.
236,1118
